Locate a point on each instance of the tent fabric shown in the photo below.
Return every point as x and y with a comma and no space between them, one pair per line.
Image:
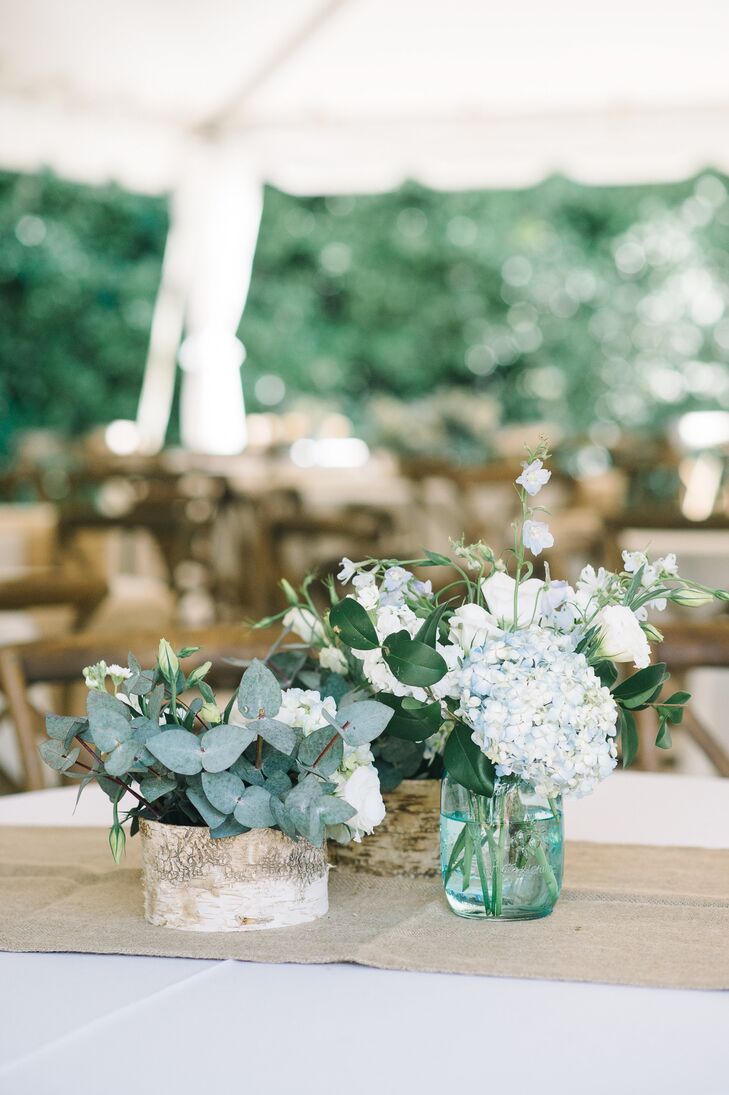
334,95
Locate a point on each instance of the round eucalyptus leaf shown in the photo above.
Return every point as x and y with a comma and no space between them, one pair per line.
254,809
259,693
179,750
223,789
222,746
364,721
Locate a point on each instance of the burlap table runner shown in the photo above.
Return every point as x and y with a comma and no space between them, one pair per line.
628,915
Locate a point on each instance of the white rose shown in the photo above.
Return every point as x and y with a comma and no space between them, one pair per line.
305,624
622,638
362,791
498,591
469,626
330,657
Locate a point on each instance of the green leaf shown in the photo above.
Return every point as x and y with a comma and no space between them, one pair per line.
278,783
206,810
403,755
672,708
413,720
187,651
334,685
311,747
350,621
120,760
283,819
245,770
153,787
466,764
254,809
607,673
277,734
628,736
56,756
429,629
334,810
223,789
259,693
109,721
302,806
179,750
222,745
230,827
60,727
437,560
412,662
361,722
155,703
641,687
663,738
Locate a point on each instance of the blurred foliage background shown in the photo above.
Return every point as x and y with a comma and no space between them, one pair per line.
594,307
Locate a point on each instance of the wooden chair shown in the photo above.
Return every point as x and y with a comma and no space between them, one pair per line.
42,587
60,661
697,645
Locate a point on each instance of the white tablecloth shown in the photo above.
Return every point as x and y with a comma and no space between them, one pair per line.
86,1023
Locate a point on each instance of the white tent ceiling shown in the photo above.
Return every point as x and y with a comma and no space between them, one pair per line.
327,95
208,99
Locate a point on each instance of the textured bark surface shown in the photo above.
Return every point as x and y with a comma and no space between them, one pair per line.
406,843
257,880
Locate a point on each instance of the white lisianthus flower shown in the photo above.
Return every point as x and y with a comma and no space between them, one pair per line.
498,592
536,536
470,624
534,477
334,659
304,708
622,638
348,569
362,791
304,623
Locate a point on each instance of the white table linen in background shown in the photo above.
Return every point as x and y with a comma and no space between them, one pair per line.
77,1024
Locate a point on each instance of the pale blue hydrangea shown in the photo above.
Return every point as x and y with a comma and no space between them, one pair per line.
539,711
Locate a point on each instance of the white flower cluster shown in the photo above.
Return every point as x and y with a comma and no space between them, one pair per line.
357,780
538,711
386,602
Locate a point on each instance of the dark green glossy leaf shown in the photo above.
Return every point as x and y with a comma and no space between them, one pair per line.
663,738
429,630
350,621
466,764
412,662
413,720
628,736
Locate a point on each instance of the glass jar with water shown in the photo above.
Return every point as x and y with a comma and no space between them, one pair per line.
502,856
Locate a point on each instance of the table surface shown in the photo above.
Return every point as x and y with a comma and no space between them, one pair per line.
74,1023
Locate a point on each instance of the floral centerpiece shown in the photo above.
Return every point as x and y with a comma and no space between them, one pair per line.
506,683
233,804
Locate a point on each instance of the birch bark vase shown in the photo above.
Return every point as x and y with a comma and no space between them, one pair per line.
406,842
259,879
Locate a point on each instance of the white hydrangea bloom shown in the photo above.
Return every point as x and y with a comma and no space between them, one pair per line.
303,708
539,711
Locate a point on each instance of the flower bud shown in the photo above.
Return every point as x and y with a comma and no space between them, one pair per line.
210,713
289,592
168,660
652,634
692,598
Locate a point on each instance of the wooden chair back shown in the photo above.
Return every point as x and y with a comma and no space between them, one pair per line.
61,661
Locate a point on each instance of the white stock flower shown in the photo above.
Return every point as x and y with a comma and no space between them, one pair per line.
534,477
622,638
304,708
348,569
334,659
498,592
362,791
304,623
536,536
470,624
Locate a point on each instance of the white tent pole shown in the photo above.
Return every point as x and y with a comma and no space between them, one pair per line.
227,206
158,385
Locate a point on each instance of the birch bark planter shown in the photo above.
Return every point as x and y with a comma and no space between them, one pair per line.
259,879
406,842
